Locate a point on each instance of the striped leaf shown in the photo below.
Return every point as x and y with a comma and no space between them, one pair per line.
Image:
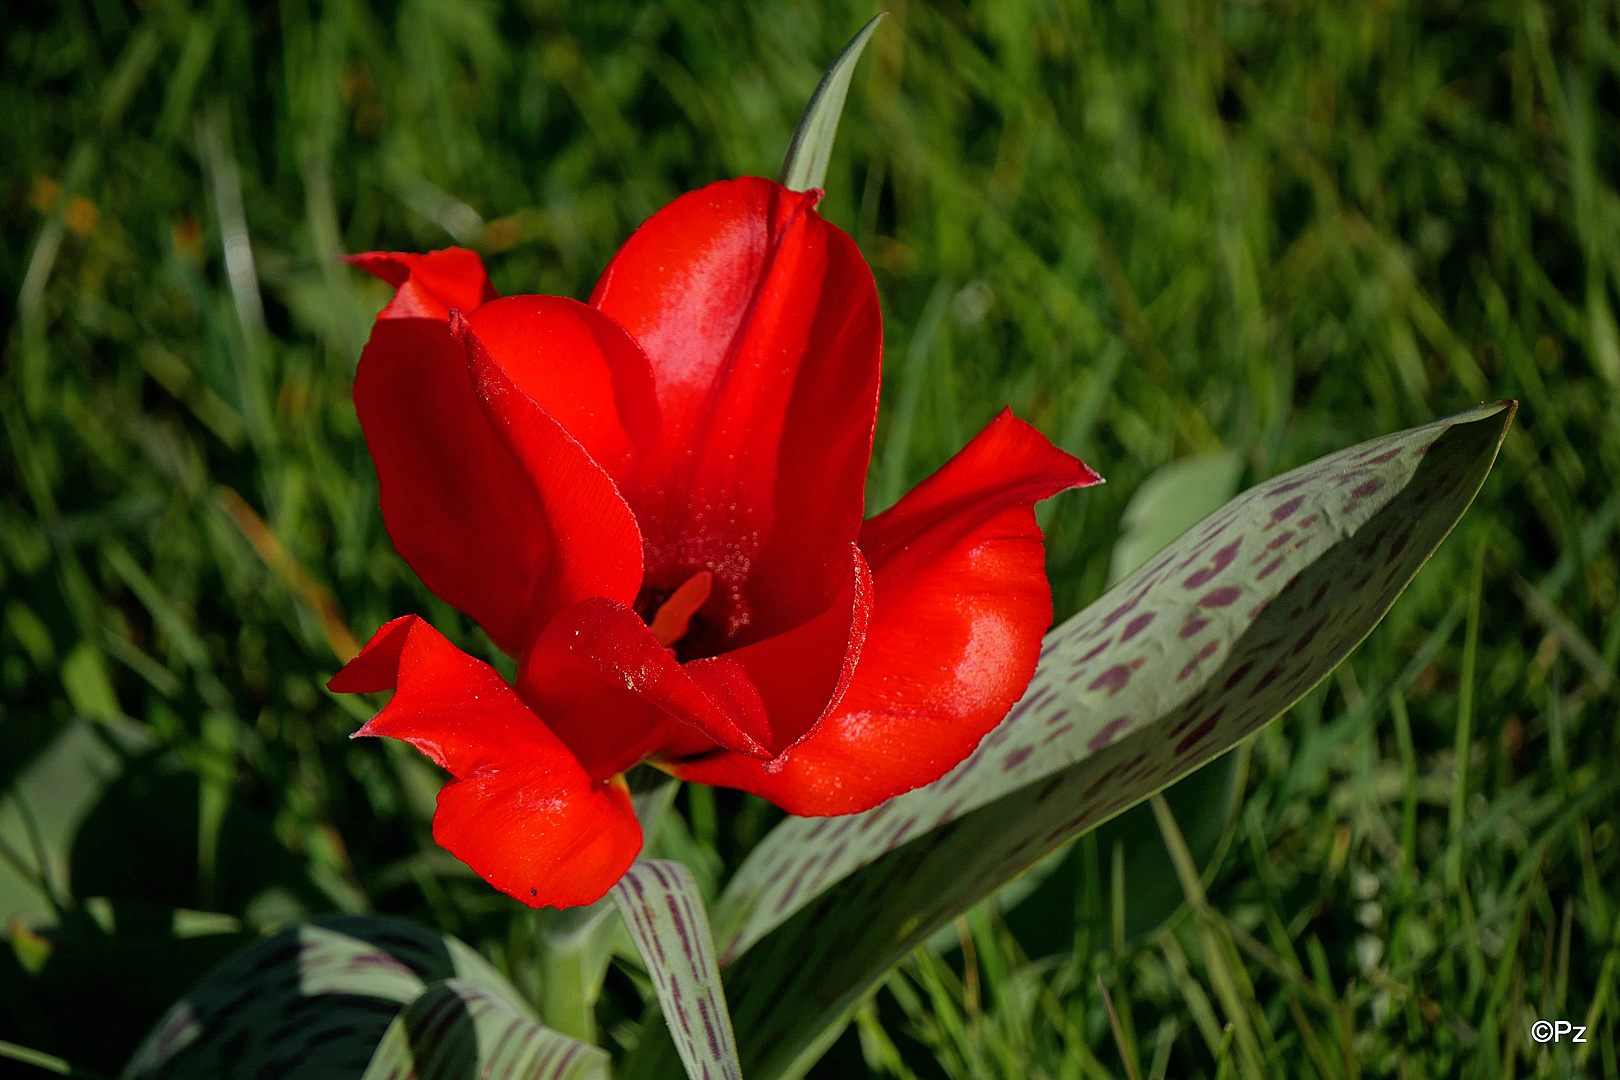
805,166
456,1029
577,942
664,915
312,1001
1216,635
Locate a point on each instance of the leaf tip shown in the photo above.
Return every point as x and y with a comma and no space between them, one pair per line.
805,166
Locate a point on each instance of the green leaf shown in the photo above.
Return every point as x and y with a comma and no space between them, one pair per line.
343,977
457,1029
42,809
664,915
805,166
1203,804
1169,502
89,687
1074,891
1215,636
577,942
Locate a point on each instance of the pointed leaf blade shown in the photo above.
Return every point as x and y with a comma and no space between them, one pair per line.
664,915
1114,670
805,166
456,1029
824,907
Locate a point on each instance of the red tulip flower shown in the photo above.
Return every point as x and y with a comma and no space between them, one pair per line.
654,503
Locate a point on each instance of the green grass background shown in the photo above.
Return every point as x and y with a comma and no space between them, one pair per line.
1155,229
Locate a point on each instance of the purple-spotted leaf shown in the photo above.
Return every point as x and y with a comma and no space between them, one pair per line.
346,976
1170,501
1219,633
663,912
456,1029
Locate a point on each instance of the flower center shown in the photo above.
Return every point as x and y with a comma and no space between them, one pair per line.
673,618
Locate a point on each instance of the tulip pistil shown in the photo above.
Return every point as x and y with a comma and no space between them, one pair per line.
674,616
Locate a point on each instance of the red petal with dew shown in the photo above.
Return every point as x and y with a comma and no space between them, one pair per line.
521,810
801,676
961,604
593,545
761,323
615,695
458,505
499,511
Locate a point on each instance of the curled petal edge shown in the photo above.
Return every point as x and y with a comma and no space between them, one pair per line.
428,286
521,811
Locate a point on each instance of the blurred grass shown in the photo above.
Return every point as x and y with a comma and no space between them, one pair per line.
1154,229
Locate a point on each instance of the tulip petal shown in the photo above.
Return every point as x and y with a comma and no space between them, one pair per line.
800,677
499,511
521,810
581,368
761,323
961,604
599,659
613,694
429,286
458,504
593,543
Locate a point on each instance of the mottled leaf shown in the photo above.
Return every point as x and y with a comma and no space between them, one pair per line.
1169,502
805,166
1219,633
664,915
1068,898
312,1001
456,1029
